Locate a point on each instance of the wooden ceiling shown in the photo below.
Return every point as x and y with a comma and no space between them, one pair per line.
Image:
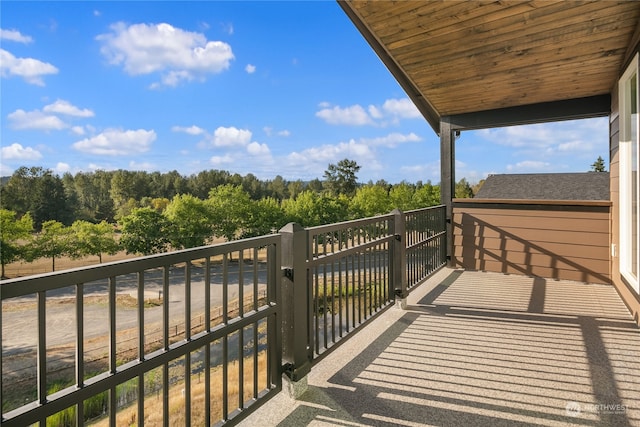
454,57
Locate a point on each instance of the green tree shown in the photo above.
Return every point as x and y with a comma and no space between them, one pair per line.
49,201
598,165
426,195
53,241
266,215
370,200
93,239
277,188
295,187
230,208
310,209
38,191
127,185
145,231
401,196
463,189
191,219
12,231
341,178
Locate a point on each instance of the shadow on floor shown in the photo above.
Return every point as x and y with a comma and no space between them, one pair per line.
447,362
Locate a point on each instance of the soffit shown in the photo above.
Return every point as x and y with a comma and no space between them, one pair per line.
455,57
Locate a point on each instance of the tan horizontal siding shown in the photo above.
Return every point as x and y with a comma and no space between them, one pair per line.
533,238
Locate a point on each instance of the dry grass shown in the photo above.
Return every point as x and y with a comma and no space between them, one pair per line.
153,404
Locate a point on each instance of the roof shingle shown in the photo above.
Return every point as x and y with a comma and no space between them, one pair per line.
547,186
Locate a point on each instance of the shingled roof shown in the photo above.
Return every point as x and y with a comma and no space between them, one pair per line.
547,186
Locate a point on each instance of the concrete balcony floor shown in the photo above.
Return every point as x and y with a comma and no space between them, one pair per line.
479,349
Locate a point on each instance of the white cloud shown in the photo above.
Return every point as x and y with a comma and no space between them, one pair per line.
529,166
78,130
221,160
191,130
332,153
392,140
269,132
177,54
250,68
375,112
65,107
115,142
354,115
14,36
144,166
31,70
402,108
391,111
231,137
16,151
257,149
62,167
36,119
564,136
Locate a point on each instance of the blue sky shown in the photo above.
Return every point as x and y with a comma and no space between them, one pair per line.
269,88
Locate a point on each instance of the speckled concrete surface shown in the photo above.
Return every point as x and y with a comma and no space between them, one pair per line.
479,349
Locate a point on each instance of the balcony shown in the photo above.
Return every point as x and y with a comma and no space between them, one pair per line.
211,335
479,349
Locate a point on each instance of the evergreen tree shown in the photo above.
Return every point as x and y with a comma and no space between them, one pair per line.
341,178
598,165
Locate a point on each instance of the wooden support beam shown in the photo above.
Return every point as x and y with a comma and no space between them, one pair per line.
569,109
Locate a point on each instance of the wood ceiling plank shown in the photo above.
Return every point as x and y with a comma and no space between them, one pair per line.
437,21
493,64
514,39
491,22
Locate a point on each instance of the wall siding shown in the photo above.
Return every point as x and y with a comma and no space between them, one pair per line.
556,241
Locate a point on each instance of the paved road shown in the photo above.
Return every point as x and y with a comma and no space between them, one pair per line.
19,327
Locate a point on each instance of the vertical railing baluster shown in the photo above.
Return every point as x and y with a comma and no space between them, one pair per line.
141,395
325,302
256,300
241,283
207,294
42,348
187,301
207,384
187,388
165,307
256,349
140,314
79,349
225,378
225,289
241,368
113,401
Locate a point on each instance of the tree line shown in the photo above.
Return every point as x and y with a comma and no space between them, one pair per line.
46,216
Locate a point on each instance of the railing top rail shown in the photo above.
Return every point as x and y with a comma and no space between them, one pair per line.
353,223
412,211
17,287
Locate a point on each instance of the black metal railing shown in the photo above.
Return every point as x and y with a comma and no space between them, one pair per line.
202,336
426,251
198,346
